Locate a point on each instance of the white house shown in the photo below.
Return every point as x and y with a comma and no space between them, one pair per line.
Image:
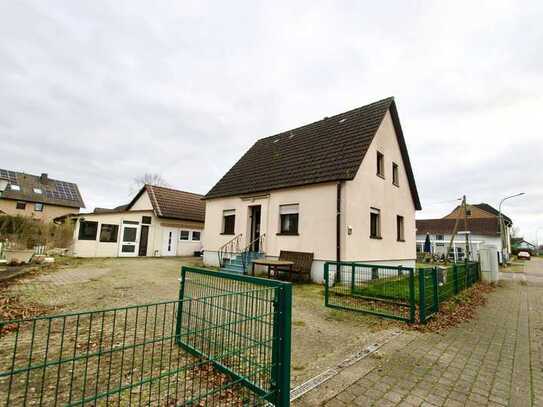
157,222
341,188
483,228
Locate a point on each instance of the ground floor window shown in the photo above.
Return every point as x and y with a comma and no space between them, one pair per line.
229,222
196,236
88,230
38,207
375,223
289,215
20,205
184,235
399,229
109,233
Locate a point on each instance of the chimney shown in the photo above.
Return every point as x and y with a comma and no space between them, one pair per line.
44,178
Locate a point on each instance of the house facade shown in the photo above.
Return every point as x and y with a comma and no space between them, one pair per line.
483,228
341,188
38,197
157,222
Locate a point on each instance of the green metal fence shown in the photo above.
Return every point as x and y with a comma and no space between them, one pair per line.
225,341
403,293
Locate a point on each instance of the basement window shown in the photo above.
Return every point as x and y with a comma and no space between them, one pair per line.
288,215
229,222
375,223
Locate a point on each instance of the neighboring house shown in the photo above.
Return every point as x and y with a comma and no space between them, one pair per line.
39,197
341,188
157,222
483,227
518,244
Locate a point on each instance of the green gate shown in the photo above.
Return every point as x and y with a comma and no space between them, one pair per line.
225,341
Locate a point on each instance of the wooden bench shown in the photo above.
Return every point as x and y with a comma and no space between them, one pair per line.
301,269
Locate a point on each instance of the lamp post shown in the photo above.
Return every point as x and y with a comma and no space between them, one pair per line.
537,239
501,219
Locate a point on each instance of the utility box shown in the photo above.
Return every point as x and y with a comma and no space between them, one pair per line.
489,263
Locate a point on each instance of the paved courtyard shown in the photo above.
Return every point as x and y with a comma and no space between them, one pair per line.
493,360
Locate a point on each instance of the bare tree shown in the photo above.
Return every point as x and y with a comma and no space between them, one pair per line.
149,179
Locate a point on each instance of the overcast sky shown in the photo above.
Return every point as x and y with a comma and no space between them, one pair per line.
98,92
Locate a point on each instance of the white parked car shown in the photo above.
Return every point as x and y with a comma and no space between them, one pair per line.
523,256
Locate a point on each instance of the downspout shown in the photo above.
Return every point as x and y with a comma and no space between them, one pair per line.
338,223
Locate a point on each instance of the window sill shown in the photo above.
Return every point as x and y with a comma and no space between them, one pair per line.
227,234
400,240
287,234
381,175
376,237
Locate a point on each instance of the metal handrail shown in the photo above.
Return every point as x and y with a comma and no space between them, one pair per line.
229,248
248,249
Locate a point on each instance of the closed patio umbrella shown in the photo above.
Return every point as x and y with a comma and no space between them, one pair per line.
427,244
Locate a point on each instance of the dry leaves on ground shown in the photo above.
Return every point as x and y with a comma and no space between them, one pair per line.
458,309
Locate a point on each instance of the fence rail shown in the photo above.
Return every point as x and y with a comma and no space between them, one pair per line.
226,340
403,293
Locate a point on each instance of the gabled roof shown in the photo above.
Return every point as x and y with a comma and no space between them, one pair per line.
445,226
490,209
172,203
53,192
331,149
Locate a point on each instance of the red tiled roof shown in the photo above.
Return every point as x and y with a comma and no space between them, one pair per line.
478,226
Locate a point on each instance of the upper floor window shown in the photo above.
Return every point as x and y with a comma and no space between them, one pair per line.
38,207
288,215
88,230
399,229
146,220
380,164
229,221
375,223
395,175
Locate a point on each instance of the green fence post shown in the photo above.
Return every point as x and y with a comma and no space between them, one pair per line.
412,304
455,278
422,296
352,278
283,350
179,316
435,287
326,279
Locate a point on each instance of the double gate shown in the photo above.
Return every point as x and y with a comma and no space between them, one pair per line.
225,341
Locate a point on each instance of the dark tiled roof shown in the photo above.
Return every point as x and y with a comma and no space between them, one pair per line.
174,204
490,209
478,226
54,192
328,150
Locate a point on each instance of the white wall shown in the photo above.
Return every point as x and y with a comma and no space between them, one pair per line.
460,241
370,190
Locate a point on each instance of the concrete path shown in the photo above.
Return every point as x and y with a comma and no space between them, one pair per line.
493,360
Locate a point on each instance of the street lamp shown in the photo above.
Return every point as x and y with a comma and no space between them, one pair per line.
501,218
537,239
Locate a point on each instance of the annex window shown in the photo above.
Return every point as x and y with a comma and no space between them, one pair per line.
184,235
288,215
380,164
38,191
109,233
20,205
440,237
400,237
229,221
88,230
146,220
196,235
395,174
375,223
38,207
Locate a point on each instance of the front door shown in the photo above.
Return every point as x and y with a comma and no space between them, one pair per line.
255,227
169,241
144,236
129,239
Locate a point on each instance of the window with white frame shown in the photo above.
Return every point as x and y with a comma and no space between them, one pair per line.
196,235
38,207
184,235
375,223
399,229
288,218
38,191
229,221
